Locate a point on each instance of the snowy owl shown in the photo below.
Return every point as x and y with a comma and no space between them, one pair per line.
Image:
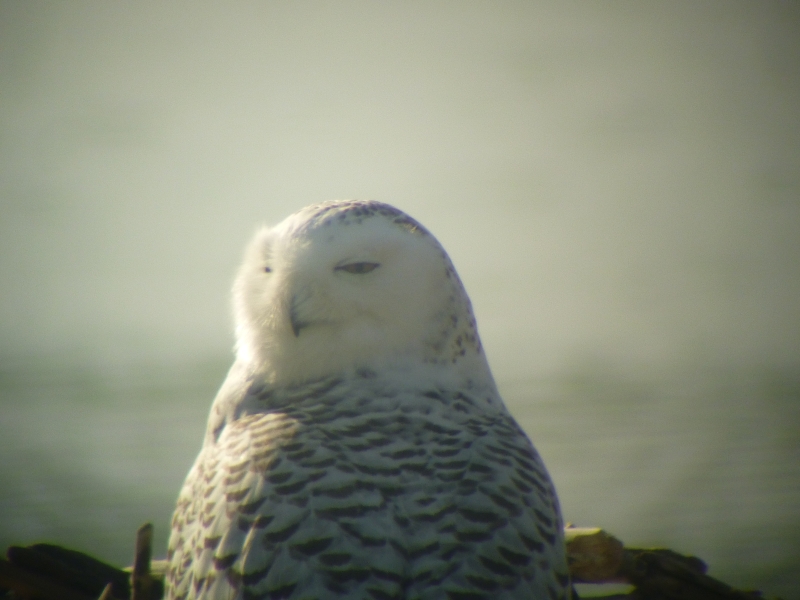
358,447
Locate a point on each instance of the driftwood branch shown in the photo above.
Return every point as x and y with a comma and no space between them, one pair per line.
595,556
143,585
45,571
30,585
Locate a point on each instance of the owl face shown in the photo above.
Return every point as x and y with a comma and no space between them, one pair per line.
335,288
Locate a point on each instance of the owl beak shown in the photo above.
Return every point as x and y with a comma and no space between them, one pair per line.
298,324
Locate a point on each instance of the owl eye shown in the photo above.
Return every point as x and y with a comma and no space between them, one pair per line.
358,268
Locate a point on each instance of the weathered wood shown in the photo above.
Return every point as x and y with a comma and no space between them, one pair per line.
595,556
54,568
143,585
661,574
26,585
76,570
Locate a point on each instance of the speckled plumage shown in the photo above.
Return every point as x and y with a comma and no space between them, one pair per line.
359,447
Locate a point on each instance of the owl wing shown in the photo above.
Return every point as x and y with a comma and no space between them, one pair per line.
218,514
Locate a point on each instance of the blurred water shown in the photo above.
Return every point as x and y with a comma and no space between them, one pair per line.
706,463
93,452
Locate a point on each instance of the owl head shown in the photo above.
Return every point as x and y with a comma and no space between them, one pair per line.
352,285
